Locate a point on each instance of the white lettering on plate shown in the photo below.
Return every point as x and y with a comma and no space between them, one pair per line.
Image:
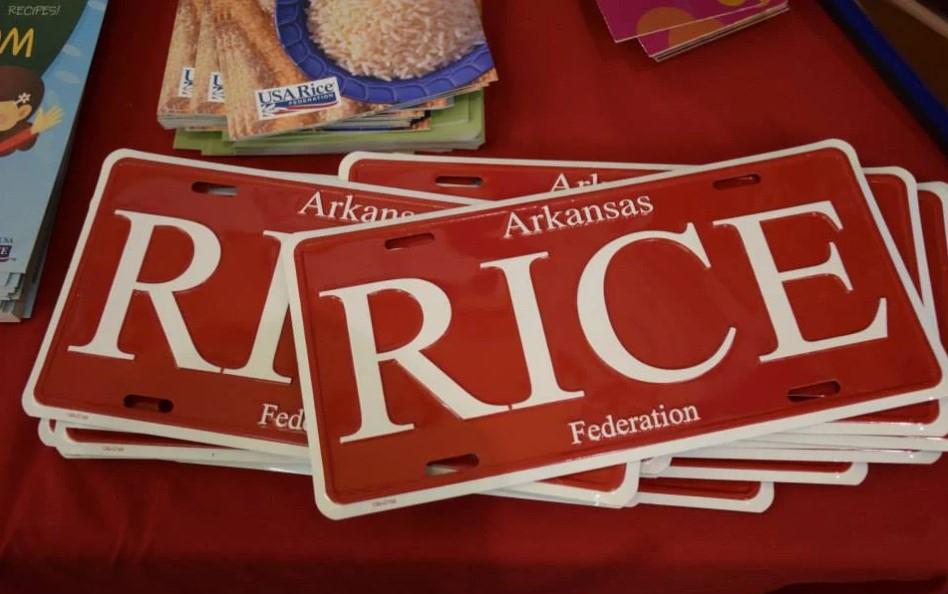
436,311
271,415
545,219
610,427
348,210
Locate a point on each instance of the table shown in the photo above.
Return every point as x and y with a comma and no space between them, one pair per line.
567,92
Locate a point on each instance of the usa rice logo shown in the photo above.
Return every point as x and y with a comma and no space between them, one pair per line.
308,97
215,88
186,83
6,248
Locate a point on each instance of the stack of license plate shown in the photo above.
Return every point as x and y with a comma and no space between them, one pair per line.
423,328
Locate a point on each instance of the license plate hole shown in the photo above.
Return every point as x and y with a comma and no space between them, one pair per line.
459,181
400,243
813,391
139,402
214,189
736,182
452,464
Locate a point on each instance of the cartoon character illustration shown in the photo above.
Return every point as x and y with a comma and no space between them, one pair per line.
21,92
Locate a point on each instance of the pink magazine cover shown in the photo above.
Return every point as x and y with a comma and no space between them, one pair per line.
628,19
662,42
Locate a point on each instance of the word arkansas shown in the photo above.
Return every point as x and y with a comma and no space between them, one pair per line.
553,220
349,210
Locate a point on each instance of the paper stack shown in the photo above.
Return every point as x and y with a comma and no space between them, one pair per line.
422,328
666,28
324,76
45,52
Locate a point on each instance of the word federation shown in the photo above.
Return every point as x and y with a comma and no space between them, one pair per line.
611,428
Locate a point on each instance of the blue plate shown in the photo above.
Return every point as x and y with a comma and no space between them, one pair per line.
292,26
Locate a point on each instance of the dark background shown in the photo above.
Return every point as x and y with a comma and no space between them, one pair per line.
568,92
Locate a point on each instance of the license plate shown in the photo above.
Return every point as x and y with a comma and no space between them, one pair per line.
893,188
739,496
216,366
933,206
173,312
774,471
567,331
896,193
877,442
485,178
613,486
769,450
102,443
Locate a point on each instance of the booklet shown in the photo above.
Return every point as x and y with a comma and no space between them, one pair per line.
665,44
630,19
458,127
46,48
302,64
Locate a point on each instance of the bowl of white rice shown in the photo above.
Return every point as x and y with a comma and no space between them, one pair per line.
386,51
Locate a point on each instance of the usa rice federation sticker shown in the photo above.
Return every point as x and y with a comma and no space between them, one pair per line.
297,99
186,84
6,248
215,88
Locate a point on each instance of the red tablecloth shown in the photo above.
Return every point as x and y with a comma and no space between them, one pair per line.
566,91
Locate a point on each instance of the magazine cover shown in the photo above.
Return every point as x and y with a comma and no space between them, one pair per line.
296,64
46,49
208,96
177,86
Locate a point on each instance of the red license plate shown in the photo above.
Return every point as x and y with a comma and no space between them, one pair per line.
933,204
173,313
739,496
777,471
741,299
225,374
491,179
770,465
